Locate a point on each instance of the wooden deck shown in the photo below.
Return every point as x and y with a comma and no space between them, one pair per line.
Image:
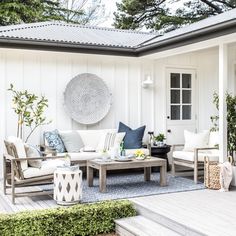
206,211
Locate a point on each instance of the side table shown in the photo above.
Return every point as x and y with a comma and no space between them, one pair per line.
161,152
67,185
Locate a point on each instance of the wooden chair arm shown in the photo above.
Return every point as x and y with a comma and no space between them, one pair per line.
207,148
8,157
177,145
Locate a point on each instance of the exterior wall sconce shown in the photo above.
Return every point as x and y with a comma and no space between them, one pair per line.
148,82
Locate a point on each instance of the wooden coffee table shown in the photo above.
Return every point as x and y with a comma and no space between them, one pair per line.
103,166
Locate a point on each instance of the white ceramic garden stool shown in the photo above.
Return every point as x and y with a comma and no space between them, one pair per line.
67,185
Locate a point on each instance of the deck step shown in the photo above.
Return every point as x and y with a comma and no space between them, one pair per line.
141,226
166,221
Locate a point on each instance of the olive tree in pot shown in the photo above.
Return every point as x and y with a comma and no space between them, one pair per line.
30,110
231,121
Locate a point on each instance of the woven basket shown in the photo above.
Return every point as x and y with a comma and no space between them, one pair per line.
212,173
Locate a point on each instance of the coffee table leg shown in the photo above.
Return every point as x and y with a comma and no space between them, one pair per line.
147,173
163,170
102,179
90,176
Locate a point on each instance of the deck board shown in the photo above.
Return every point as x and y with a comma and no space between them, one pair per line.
211,212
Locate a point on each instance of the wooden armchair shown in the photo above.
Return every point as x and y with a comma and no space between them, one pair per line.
15,176
192,159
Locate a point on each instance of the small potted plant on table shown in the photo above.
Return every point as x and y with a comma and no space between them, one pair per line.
159,140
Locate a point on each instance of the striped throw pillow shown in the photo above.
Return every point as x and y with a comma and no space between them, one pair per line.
110,140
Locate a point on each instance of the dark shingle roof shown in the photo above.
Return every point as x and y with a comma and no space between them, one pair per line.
76,34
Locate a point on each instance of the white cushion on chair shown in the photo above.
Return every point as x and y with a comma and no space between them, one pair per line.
213,155
213,139
195,140
48,167
20,148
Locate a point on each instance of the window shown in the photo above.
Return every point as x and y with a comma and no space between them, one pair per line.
180,96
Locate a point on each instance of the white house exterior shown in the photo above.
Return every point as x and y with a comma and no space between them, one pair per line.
204,53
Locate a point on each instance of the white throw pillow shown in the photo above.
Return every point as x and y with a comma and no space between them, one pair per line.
20,148
72,141
110,140
195,140
213,139
31,152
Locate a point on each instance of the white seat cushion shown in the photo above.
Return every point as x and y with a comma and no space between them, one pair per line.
48,167
213,139
213,155
84,156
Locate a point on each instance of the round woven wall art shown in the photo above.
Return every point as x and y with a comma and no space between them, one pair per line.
87,99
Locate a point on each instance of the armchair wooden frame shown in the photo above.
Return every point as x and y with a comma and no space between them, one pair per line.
14,177
196,165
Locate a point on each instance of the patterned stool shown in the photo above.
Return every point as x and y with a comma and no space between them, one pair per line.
67,185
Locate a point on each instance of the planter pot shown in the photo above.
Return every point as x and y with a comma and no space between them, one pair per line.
233,182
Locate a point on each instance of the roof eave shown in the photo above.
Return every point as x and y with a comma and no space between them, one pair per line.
210,32
17,43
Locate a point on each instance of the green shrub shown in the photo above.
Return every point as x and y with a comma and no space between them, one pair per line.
86,219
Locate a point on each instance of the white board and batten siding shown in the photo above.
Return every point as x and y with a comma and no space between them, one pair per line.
48,73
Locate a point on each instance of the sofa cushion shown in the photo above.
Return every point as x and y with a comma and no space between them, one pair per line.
133,138
20,149
32,152
83,156
189,156
91,138
110,140
72,140
48,167
195,140
54,140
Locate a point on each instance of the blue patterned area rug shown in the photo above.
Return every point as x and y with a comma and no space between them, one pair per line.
120,186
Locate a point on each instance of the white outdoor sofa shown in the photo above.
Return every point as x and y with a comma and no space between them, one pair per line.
195,159
91,138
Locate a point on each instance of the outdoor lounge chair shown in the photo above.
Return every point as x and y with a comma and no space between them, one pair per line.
20,174
195,159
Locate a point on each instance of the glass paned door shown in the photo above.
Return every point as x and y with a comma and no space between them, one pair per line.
181,114
180,96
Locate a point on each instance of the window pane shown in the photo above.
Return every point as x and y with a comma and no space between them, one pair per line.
174,80
175,112
175,96
186,80
186,96
186,112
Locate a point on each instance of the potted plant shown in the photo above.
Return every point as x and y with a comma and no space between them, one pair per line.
30,110
159,140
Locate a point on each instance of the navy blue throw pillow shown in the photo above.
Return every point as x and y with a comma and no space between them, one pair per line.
133,138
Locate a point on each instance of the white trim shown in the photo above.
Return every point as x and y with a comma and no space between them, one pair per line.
230,38
223,85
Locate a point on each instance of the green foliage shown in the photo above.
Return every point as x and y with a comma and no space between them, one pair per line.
30,11
231,120
27,11
80,220
30,110
159,14
160,138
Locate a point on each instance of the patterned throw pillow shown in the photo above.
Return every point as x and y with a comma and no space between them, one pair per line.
54,141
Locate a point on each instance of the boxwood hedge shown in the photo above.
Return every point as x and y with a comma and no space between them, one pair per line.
86,219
